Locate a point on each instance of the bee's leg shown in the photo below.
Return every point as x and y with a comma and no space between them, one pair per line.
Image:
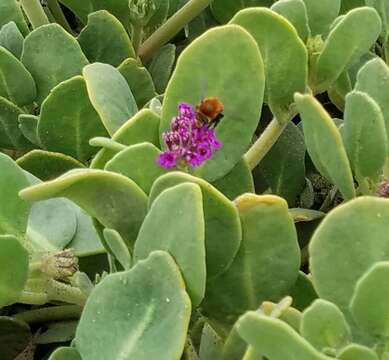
216,121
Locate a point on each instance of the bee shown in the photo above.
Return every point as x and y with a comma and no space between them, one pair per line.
209,111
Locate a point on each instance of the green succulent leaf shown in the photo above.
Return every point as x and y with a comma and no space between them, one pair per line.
139,80
357,230
15,335
211,344
200,65
364,134
13,210
348,40
80,8
28,125
357,352
247,283
110,95
13,269
118,248
134,302
175,223
373,79
139,163
284,54
324,326
47,165
295,11
16,83
142,127
118,8
339,89
51,55
115,192
222,226
369,302
12,39
266,334
10,11
324,144
302,292
321,14
105,39
68,120
65,353
382,8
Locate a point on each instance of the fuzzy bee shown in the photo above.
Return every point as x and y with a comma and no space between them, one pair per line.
209,111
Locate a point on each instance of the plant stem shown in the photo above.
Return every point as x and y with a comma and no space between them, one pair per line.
62,292
53,313
264,143
171,27
35,13
33,298
137,35
59,16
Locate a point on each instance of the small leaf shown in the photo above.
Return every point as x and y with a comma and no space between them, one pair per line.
324,326
68,120
321,14
12,39
284,55
51,55
302,292
13,269
364,134
357,352
324,144
10,11
275,339
105,39
139,80
348,40
47,165
16,83
110,95
175,223
369,302
28,125
134,302
80,8
139,163
65,353
118,8
118,248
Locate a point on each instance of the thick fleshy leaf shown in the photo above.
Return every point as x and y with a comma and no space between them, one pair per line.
357,352
211,344
115,192
51,55
110,95
65,353
16,83
10,135
348,40
134,303
28,125
296,12
323,317
139,80
12,39
339,89
302,292
118,248
13,210
260,270
13,269
275,339
284,54
200,66
10,11
382,7
105,39
356,231
139,163
175,223
15,335
324,144
47,165
80,8
222,225
224,10
161,66
68,120
283,167
369,302
237,182
373,79
321,14
118,8
364,134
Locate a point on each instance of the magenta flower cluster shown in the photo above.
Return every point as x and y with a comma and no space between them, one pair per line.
188,143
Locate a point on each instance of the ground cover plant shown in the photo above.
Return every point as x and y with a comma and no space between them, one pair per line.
198,180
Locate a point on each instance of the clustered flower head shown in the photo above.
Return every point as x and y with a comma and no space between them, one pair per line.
189,143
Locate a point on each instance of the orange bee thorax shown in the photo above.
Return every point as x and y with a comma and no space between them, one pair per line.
210,107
